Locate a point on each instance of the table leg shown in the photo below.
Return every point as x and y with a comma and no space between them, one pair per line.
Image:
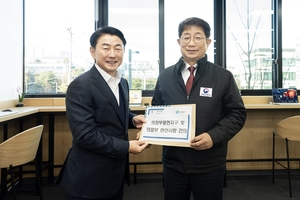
51,149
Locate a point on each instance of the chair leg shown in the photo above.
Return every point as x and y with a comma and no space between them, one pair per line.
288,163
38,180
12,182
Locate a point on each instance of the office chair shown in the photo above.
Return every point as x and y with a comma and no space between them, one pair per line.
21,149
289,129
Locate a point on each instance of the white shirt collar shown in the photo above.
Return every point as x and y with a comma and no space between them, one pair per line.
187,66
107,77
112,82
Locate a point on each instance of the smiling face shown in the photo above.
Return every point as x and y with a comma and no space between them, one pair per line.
195,48
108,53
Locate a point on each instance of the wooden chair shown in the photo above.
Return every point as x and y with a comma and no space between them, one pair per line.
289,129
21,149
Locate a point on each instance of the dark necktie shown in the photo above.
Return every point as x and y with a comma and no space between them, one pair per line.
190,80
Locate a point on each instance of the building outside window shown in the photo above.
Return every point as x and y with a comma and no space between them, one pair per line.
249,42
56,43
138,20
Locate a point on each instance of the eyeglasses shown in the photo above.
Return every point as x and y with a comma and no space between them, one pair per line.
187,39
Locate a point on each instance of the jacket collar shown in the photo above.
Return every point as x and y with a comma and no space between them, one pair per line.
200,63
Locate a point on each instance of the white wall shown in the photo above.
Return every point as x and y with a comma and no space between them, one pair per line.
11,48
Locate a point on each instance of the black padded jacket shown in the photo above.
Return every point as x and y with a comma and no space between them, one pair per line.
220,112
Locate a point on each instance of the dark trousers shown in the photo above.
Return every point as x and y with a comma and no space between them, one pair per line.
118,196
206,186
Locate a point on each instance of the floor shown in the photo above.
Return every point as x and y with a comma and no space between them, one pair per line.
241,187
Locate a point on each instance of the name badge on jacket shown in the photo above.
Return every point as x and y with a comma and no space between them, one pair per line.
205,92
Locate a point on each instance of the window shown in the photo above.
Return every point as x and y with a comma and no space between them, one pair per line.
175,12
57,40
138,20
56,43
290,44
249,42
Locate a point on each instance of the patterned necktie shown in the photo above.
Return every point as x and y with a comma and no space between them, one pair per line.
190,80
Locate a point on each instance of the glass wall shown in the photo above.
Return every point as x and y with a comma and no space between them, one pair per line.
249,42
138,20
57,40
56,43
290,44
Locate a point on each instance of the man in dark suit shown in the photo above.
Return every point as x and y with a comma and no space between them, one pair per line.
99,117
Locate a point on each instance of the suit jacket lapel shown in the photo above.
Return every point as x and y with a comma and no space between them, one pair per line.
103,87
124,90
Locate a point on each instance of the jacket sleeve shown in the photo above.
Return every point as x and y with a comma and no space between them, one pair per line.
157,97
130,121
234,115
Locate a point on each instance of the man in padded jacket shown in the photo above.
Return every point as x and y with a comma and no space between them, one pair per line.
220,115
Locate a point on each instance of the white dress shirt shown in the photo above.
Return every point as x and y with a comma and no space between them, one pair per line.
113,82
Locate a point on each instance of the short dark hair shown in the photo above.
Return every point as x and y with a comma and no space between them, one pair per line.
106,30
194,21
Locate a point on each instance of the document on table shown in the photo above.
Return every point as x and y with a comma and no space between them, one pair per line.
172,125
